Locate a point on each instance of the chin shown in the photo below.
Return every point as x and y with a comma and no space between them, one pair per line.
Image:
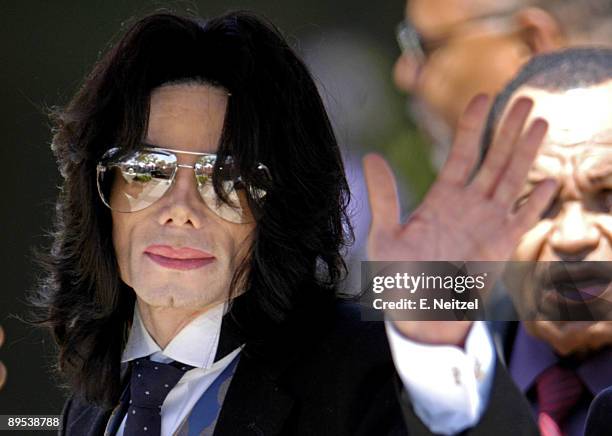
178,298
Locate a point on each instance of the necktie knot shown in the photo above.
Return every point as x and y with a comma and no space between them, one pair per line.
150,384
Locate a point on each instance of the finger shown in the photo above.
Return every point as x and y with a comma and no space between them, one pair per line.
513,177
539,201
1,336
466,146
499,153
382,191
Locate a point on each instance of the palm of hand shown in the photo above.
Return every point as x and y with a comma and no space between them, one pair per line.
461,219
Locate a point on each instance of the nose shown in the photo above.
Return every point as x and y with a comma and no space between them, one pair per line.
574,231
405,72
182,205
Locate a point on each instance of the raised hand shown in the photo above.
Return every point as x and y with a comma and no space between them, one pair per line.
462,218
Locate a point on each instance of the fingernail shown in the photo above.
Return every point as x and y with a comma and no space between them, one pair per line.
539,124
480,99
525,101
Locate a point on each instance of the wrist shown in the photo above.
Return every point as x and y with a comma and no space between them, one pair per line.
435,332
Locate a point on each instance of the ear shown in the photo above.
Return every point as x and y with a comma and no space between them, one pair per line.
540,31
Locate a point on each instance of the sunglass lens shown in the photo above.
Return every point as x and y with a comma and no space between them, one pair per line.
235,206
133,182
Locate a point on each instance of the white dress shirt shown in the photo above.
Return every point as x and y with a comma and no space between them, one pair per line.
448,387
195,345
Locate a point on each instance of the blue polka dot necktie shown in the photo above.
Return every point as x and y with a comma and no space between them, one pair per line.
150,384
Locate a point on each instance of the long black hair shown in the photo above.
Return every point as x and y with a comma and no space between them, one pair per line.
274,115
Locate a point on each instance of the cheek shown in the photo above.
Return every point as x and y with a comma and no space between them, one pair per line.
405,74
437,84
448,82
604,222
121,243
241,237
459,71
531,244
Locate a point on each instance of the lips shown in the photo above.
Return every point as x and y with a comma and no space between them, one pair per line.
183,258
177,253
577,281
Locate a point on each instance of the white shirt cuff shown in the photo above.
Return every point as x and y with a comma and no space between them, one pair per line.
449,387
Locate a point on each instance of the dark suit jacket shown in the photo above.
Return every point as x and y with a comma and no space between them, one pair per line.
598,421
337,381
598,418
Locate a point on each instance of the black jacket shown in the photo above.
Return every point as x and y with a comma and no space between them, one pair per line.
327,374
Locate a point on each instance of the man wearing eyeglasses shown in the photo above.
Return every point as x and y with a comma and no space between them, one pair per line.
455,49
191,286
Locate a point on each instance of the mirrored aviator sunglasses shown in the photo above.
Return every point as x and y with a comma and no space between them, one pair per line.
132,181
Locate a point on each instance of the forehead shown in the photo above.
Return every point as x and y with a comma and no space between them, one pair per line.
574,116
431,16
186,117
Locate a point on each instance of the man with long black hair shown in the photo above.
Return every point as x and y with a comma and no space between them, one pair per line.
191,283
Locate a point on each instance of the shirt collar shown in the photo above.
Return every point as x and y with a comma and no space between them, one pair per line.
531,356
204,330
596,372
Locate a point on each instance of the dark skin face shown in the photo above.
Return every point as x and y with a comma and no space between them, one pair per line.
577,152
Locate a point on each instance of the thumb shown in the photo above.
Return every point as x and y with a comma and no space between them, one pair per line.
382,191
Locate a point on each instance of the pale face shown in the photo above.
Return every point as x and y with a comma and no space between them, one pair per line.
577,152
466,56
151,244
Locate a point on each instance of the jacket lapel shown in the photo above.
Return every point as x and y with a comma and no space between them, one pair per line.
254,403
114,421
92,420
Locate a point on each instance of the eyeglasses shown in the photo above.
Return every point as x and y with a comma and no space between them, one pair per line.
412,42
132,181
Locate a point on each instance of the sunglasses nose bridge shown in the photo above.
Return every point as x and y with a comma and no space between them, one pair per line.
183,195
193,173
189,178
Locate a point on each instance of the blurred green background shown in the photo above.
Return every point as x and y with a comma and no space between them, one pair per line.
47,47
